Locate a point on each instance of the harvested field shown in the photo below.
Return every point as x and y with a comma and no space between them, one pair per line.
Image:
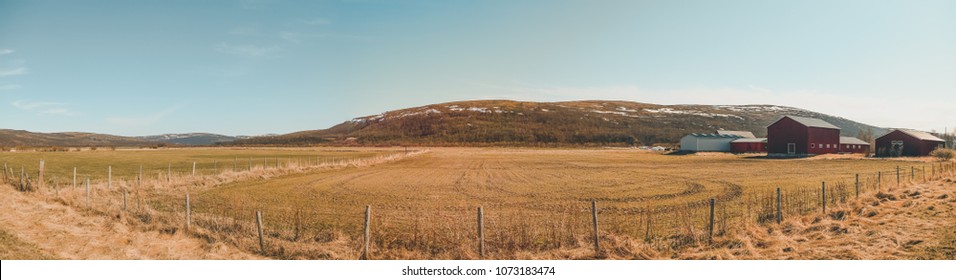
536,204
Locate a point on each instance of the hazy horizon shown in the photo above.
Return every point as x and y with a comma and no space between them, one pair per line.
252,67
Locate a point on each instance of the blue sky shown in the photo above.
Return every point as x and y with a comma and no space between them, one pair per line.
271,66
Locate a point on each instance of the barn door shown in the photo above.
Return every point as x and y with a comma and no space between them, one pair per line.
896,148
791,148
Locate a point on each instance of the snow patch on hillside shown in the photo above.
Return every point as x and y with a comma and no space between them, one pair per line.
754,108
611,112
690,112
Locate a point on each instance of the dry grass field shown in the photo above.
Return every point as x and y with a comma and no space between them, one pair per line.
536,202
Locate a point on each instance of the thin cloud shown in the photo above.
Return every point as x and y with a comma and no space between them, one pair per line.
44,108
24,105
56,112
245,31
296,37
5,51
291,36
252,4
142,120
314,21
10,87
246,50
13,72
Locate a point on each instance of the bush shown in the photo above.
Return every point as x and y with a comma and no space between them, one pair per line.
943,154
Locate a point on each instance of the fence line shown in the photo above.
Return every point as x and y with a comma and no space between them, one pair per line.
651,222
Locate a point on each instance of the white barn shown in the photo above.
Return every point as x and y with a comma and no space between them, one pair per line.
706,142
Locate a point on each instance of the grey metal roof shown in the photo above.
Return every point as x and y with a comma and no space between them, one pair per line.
744,134
917,134
852,141
750,140
713,135
809,122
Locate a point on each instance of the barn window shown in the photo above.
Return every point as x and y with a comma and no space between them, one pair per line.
812,145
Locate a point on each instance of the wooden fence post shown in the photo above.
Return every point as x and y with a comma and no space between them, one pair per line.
124,199
188,218
4,172
594,219
879,180
481,233
897,175
368,218
824,198
169,172
711,227
109,177
139,179
262,242
21,186
215,167
194,168
779,208
912,173
74,178
87,192
858,185
40,181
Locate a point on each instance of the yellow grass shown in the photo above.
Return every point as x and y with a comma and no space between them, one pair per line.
157,163
536,203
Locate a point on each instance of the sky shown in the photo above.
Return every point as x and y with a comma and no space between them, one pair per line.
250,67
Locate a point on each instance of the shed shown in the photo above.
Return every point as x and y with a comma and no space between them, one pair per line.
706,142
749,145
907,142
853,145
792,135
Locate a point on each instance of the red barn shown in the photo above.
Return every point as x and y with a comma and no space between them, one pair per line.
748,145
908,143
853,145
792,135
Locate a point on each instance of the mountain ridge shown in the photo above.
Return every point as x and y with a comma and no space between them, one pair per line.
591,122
490,122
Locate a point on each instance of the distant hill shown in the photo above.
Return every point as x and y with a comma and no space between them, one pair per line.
12,138
191,138
502,122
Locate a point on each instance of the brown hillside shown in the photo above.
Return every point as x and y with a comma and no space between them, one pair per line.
12,138
554,123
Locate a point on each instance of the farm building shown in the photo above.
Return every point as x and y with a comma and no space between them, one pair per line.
748,145
707,142
907,142
852,145
744,134
791,135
